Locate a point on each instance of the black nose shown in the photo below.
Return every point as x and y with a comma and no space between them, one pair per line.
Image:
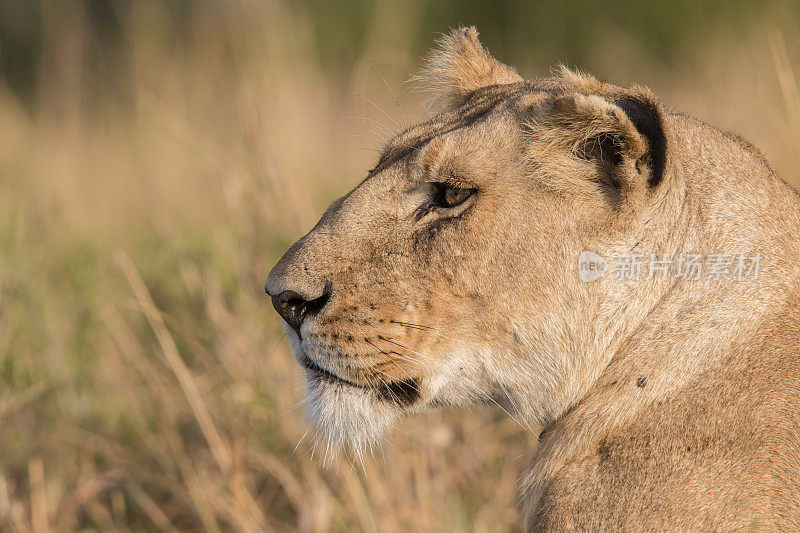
294,308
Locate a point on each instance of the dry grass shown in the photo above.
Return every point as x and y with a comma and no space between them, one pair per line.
144,380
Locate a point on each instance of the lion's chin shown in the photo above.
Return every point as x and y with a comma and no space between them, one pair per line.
347,416
343,414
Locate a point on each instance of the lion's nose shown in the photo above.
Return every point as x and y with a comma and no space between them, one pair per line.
294,308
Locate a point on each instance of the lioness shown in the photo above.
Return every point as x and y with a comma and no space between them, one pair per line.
623,275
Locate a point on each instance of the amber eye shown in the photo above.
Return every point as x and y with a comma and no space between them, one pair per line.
448,196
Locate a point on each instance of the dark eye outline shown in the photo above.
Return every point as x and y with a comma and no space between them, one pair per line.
447,196
443,204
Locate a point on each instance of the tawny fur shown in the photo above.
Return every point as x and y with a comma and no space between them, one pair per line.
460,66
669,404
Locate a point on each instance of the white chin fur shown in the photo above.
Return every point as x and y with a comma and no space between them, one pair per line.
343,415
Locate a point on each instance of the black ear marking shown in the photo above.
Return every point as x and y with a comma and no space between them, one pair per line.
646,118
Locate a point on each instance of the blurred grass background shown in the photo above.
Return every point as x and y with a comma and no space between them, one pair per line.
156,159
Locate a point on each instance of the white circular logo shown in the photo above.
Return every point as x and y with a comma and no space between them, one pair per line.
591,266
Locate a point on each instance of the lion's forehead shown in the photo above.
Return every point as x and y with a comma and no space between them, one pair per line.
474,111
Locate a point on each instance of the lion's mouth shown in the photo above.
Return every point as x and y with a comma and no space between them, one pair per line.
402,392
327,374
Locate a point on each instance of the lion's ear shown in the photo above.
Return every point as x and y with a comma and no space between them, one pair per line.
621,137
460,66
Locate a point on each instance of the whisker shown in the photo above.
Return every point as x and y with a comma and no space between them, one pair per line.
381,337
426,328
397,354
301,439
411,326
408,359
386,385
395,363
296,406
392,379
515,419
280,339
381,110
515,406
427,110
394,95
372,122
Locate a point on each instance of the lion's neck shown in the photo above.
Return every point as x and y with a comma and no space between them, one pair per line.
726,206
659,334
673,333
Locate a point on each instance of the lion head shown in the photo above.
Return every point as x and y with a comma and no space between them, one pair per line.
449,275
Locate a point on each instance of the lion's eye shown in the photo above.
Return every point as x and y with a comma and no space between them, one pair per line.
448,196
